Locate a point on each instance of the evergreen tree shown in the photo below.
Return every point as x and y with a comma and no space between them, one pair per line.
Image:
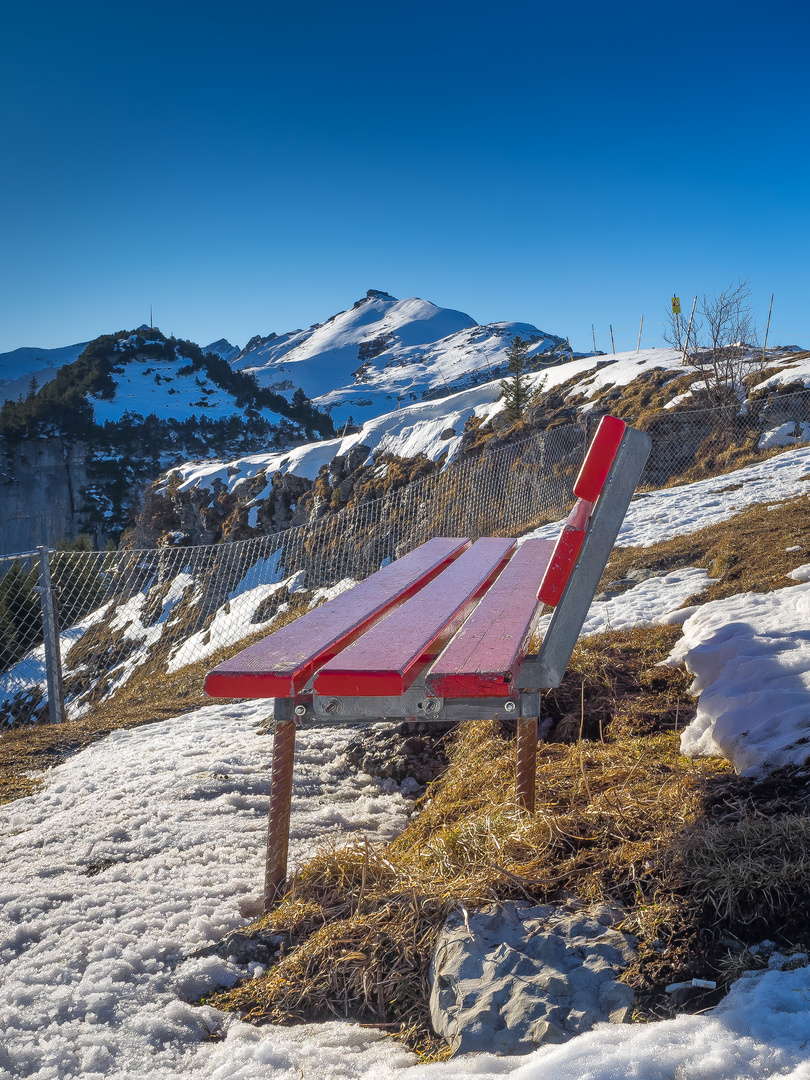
515,388
33,387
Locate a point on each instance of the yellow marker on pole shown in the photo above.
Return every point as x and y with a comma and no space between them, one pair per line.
676,305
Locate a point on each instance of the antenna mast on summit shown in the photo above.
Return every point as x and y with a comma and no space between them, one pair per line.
150,317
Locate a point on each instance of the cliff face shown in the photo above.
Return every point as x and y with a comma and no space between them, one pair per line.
43,483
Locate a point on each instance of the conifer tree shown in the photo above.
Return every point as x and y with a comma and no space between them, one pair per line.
515,388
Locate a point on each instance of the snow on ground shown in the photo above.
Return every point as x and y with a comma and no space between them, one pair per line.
137,854
140,852
760,1030
29,673
621,369
155,386
17,367
435,427
655,600
236,620
794,370
656,516
750,655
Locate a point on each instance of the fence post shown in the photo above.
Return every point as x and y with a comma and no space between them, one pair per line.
50,629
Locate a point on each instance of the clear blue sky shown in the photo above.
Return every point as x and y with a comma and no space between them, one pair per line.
248,167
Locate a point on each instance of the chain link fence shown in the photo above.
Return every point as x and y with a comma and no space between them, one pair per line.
162,611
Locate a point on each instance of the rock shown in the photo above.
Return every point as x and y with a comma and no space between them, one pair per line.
510,977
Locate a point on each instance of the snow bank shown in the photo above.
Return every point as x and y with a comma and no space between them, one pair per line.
750,655
759,1031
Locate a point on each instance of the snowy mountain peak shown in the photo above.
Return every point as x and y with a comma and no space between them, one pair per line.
223,348
375,294
381,352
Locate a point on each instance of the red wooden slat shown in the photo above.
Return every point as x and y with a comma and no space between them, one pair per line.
566,553
601,452
387,658
281,664
484,657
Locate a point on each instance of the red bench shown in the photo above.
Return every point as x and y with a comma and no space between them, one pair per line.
442,633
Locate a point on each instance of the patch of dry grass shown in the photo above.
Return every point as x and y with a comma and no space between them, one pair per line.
363,921
755,871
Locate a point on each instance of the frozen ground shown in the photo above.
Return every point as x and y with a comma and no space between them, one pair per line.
146,847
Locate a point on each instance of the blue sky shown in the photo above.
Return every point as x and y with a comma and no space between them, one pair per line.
248,167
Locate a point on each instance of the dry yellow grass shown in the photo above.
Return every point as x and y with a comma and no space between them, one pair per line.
747,553
364,920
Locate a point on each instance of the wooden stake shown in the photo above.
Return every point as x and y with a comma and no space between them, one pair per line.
689,331
767,328
612,342
640,328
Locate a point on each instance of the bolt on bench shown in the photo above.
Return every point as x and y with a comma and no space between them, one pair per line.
442,634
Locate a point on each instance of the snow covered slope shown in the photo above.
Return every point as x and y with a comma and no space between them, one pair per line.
153,379
432,427
382,351
17,367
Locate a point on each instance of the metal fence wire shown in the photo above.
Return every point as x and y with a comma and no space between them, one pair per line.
124,615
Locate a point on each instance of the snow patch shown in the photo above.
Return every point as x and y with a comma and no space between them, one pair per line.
750,655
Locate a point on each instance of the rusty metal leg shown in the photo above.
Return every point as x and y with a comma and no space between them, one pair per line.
526,768
526,765
278,826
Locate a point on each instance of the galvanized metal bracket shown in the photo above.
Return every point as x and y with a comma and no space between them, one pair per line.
548,667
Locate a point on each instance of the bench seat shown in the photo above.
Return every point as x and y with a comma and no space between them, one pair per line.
282,664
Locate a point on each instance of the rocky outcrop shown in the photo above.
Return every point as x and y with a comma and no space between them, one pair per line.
266,504
510,978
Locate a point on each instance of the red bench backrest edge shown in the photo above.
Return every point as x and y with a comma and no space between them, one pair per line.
587,487
591,479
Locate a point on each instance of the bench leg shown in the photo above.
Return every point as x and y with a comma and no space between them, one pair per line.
278,826
526,765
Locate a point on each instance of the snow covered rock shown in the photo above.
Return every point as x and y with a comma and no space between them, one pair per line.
750,655
510,978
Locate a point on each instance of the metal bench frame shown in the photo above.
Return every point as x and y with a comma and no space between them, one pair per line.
520,700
